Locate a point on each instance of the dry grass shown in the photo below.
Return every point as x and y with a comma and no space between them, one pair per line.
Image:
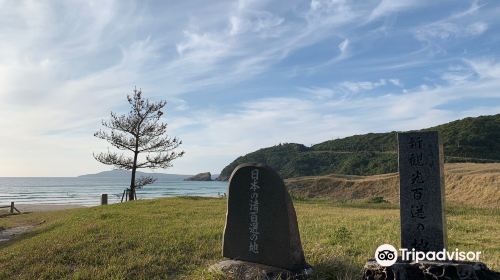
467,184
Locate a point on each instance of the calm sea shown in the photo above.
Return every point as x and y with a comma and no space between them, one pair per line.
87,191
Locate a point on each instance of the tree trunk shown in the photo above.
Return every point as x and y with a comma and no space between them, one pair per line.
132,186
131,194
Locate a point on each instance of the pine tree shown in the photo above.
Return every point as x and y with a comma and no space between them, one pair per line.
141,137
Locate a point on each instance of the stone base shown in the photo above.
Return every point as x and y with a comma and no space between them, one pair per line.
434,270
241,270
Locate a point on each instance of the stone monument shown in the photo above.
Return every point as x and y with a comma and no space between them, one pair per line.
261,236
421,187
423,224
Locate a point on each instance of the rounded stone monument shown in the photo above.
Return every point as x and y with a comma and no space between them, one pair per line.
261,236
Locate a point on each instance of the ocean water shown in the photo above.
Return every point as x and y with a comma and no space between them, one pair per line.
87,191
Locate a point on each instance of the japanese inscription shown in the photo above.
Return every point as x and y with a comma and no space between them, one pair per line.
421,191
254,212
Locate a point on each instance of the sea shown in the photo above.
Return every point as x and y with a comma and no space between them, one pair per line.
87,191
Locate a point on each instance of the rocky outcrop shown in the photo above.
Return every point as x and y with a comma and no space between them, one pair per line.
222,178
205,176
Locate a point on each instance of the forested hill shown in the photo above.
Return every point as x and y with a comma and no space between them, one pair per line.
467,140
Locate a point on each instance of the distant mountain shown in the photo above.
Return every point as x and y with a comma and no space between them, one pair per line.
117,174
467,140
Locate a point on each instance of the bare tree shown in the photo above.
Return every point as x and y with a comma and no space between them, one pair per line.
141,135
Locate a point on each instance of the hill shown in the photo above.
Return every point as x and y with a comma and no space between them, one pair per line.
467,184
467,140
125,174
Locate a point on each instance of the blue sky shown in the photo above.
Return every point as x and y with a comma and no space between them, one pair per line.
237,75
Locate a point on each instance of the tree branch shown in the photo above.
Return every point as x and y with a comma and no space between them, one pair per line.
143,181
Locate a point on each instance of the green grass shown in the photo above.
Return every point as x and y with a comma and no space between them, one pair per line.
179,238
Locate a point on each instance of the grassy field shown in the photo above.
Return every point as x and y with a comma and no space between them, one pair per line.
179,238
466,184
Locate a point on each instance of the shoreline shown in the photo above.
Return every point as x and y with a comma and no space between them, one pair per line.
44,207
24,208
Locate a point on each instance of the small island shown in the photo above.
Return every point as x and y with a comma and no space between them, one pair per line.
205,176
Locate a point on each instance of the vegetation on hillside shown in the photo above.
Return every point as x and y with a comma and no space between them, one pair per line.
467,184
181,237
467,140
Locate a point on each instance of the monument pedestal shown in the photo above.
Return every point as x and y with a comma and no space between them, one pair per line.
242,270
434,270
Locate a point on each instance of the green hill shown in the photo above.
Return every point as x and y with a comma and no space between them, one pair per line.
467,140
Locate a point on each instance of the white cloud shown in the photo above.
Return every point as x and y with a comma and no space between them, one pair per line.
200,46
440,30
455,78
476,28
262,22
362,86
461,24
359,86
320,92
343,47
387,7
330,7
396,82
486,68
449,30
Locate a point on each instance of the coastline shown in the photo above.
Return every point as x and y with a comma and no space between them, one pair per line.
44,207
52,191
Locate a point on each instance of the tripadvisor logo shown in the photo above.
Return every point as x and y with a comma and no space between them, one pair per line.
387,255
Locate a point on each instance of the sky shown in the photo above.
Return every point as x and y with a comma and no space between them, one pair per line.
237,75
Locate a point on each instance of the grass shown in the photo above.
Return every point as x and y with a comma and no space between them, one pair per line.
466,184
179,238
